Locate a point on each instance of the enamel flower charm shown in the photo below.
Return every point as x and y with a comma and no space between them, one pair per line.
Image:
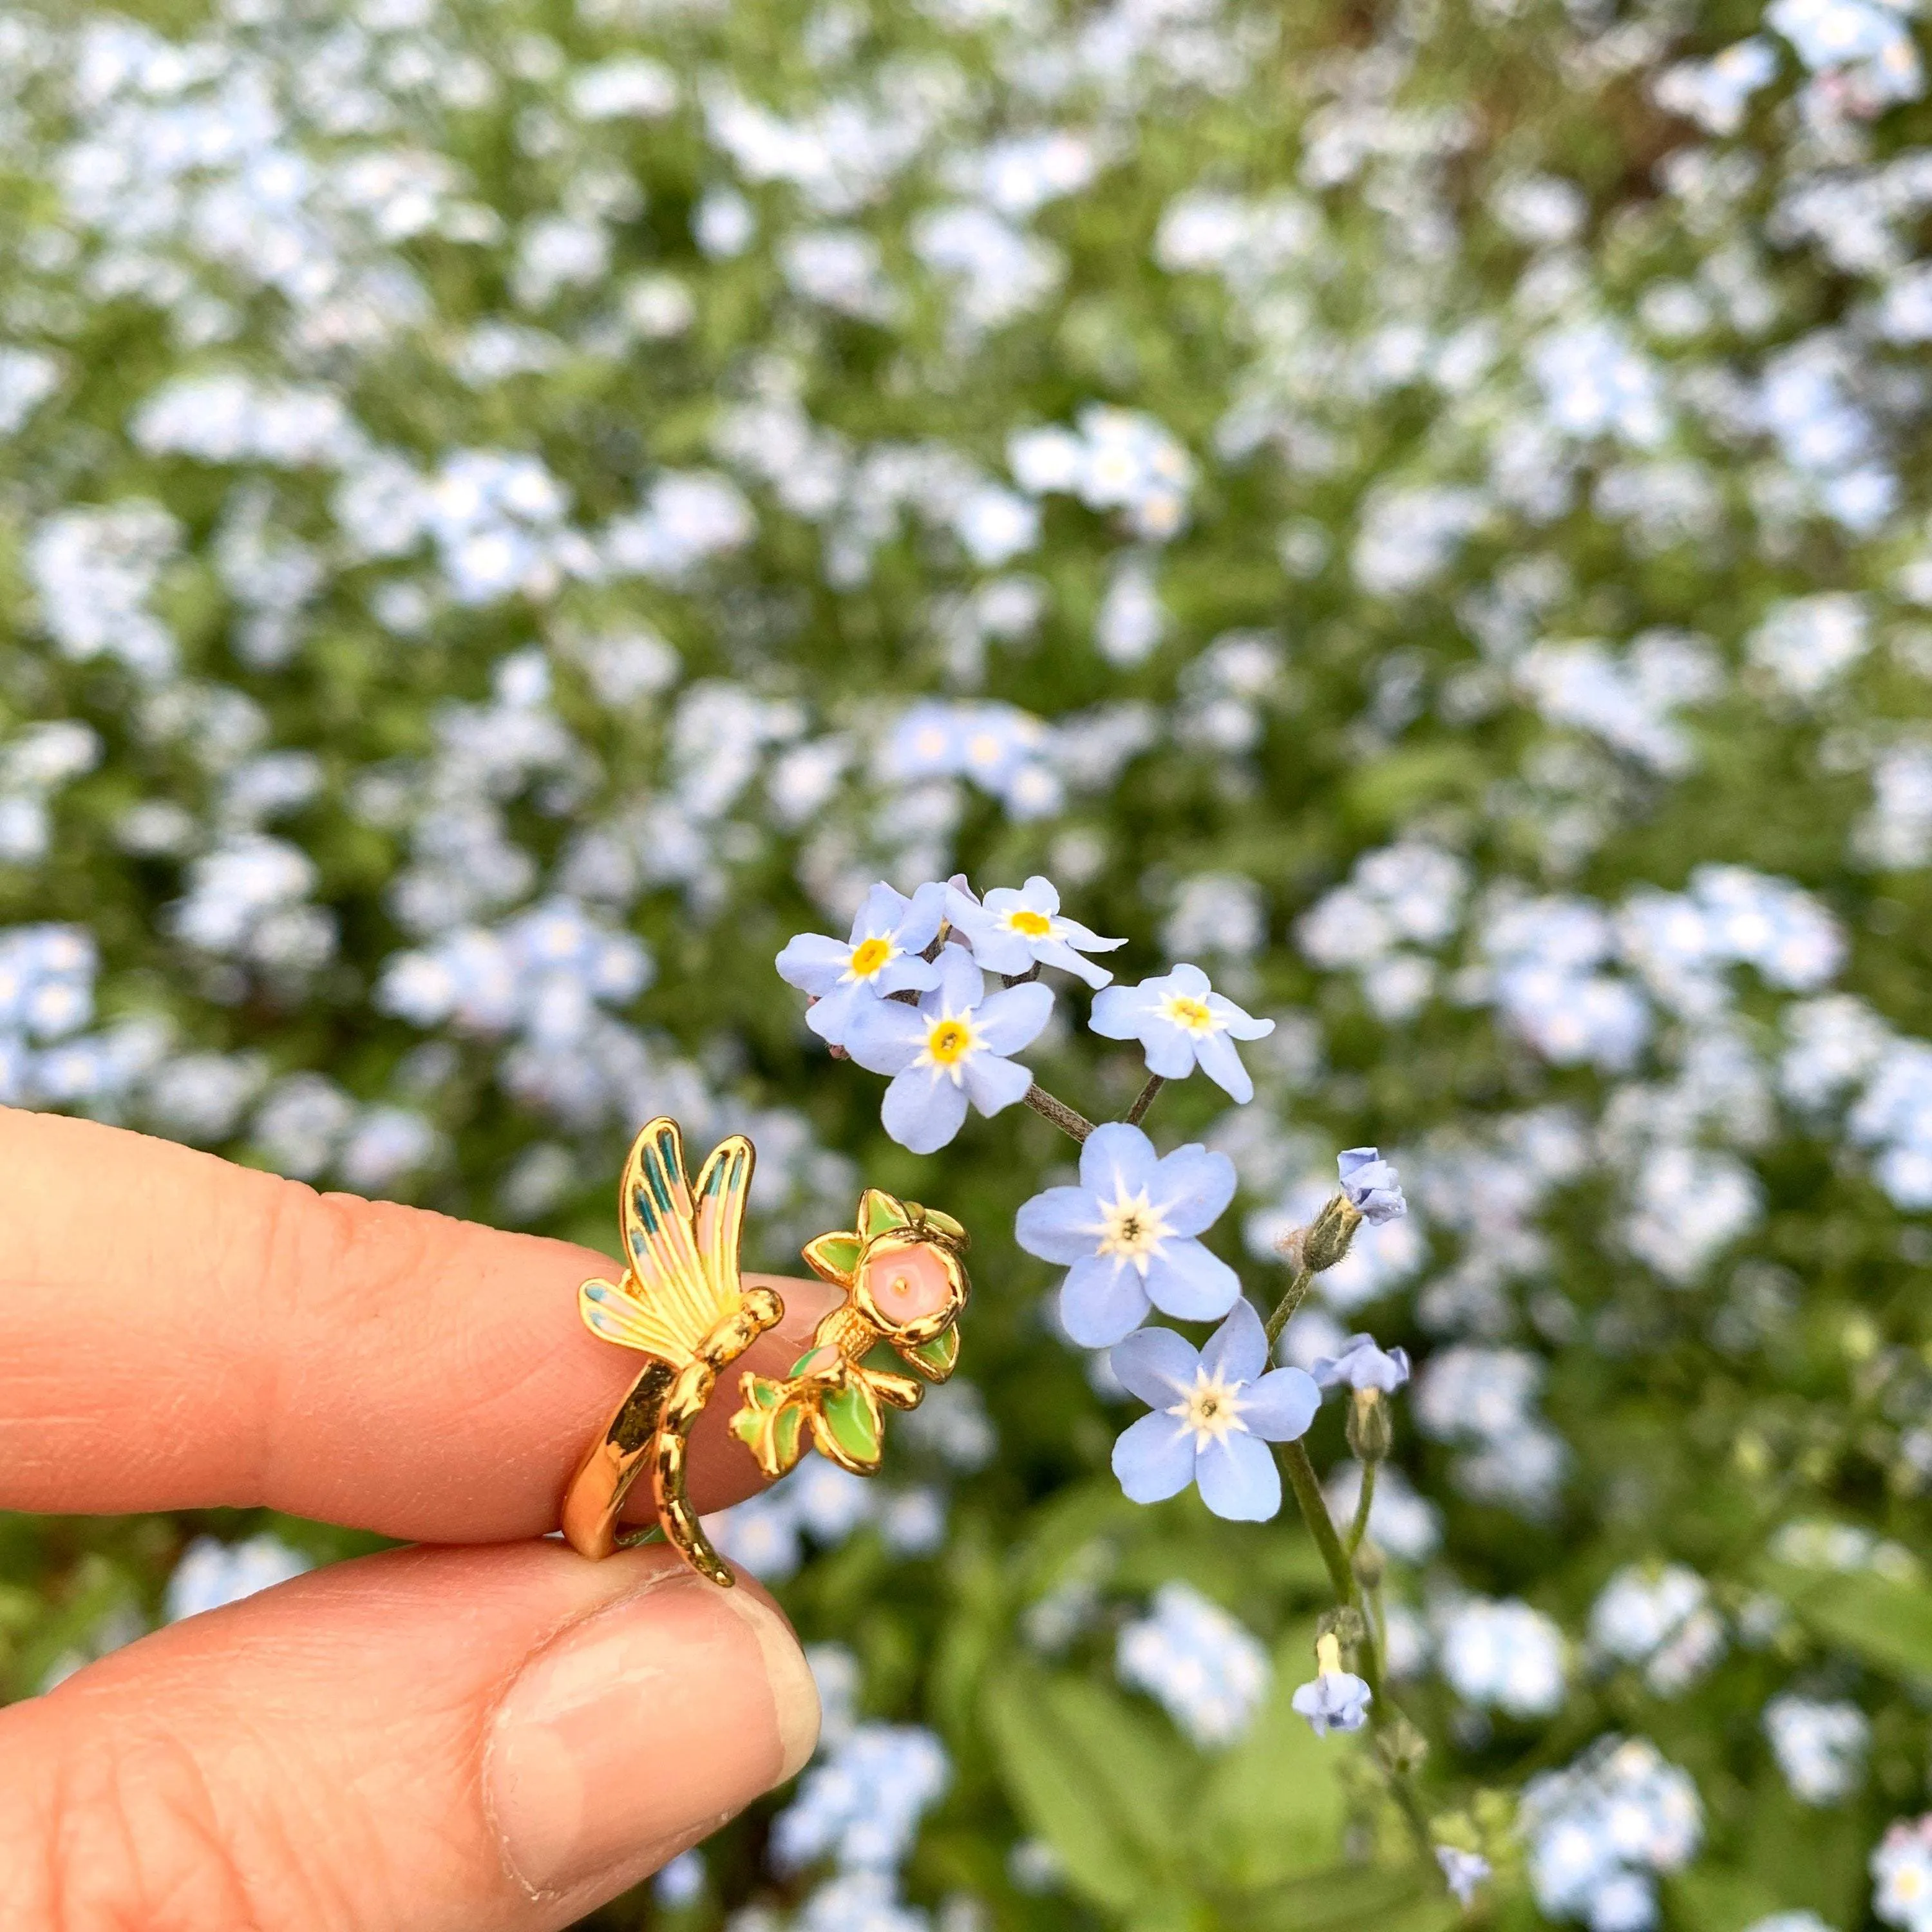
1214,1413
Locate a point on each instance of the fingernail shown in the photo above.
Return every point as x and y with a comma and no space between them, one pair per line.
663,1714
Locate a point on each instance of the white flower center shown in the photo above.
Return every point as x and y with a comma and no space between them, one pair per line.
1132,1228
1190,1014
949,1042
1212,1409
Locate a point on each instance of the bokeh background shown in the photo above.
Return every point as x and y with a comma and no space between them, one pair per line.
509,511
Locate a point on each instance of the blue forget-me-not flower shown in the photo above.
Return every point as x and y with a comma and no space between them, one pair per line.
883,955
1127,1233
1182,1022
950,1048
1373,1187
1015,929
1334,1700
1215,1410
1361,1365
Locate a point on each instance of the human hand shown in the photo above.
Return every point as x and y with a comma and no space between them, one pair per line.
474,1737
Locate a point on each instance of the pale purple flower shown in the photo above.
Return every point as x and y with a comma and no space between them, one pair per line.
1462,1871
1335,1699
1215,1410
1182,1022
1361,1365
949,1049
1014,929
1128,1235
882,956
1373,1187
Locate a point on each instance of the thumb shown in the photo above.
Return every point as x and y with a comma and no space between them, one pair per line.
467,1739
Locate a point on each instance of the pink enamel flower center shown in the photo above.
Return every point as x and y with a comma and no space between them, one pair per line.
909,1282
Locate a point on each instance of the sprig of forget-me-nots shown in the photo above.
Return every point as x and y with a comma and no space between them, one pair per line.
939,1001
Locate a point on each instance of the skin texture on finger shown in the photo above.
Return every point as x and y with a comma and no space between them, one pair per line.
487,1740
179,1333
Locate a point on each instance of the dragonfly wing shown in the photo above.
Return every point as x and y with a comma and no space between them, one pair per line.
721,1189
671,1297
616,1314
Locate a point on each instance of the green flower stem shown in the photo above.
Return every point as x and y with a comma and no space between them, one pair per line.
1062,1116
1144,1099
1285,1308
1300,1471
1359,1528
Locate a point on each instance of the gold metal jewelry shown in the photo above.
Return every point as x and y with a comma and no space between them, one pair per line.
683,1305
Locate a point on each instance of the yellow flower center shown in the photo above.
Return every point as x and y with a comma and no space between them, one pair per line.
949,1043
868,956
1212,1409
1185,1011
1132,1228
1034,925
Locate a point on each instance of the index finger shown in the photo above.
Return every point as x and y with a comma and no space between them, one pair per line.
179,1333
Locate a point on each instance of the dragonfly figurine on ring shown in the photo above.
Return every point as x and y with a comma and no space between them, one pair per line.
682,1304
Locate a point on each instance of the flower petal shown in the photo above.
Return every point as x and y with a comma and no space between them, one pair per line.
1039,894
1061,1224
1191,1187
907,974
1116,1159
1223,1065
1279,1407
1238,1479
922,1110
1238,1350
1101,1300
812,962
1155,1364
992,1083
1154,1459
961,985
885,1035
1119,1012
1170,1052
1185,1280
879,913
831,1017
1057,953
1010,1020
1086,938
919,926
1235,1023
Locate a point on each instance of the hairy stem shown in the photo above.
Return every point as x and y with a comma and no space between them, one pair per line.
1293,1457
1285,1307
1144,1099
1062,1116
1359,1528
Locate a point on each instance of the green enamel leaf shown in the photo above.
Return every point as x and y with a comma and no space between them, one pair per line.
855,1423
835,1256
939,1355
880,1212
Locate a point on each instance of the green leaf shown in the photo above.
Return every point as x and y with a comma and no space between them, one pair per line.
1101,1784
1388,1898
1888,1624
1273,1807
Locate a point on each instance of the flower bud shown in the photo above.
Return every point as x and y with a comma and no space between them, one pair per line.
1369,1429
1327,1240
